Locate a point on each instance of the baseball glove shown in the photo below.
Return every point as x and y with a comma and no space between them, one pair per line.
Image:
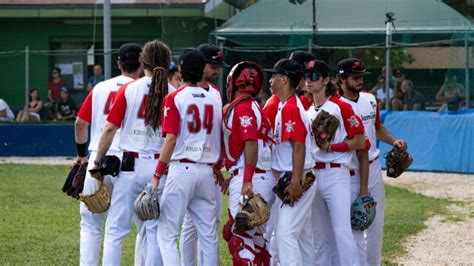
77,183
109,165
324,126
253,211
147,205
98,201
397,161
70,177
363,212
279,189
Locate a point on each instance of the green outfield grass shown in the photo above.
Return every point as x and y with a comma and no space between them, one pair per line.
40,225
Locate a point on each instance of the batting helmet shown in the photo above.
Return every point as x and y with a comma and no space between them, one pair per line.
363,212
244,76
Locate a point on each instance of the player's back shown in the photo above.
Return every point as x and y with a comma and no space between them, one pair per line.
102,98
194,115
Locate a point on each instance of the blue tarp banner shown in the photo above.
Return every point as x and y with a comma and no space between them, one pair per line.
437,142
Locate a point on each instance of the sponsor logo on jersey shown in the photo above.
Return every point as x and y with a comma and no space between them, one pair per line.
290,126
200,95
353,121
245,121
373,104
368,117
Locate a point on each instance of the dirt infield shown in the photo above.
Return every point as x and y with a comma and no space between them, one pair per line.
447,240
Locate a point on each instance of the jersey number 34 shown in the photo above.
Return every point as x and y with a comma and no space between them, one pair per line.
195,125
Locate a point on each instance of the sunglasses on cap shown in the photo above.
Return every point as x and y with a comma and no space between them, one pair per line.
312,76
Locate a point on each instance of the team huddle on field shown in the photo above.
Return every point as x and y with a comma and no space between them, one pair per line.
305,185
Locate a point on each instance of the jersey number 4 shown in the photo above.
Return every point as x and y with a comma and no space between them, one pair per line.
194,126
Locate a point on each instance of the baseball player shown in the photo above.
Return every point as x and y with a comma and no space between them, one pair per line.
292,135
351,72
192,129
174,78
247,142
94,112
188,240
271,106
331,219
137,113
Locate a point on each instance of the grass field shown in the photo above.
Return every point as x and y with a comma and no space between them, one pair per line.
40,225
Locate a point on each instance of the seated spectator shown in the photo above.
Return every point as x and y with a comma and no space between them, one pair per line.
6,113
35,104
451,94
379,92
396,102
412,99
65,108
98,77
174,78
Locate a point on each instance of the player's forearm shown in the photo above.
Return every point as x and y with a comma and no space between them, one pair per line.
80,130
167,148
363,158
250,154
299,150
384,135
105,140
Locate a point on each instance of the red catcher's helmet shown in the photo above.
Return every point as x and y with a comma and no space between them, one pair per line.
244,76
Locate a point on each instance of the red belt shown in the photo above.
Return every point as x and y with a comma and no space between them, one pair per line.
257,171
137,155
189,161
373,160
320,165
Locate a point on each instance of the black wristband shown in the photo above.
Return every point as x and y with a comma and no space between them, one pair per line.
81,149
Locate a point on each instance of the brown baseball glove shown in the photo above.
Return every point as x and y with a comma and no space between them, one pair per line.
98,201
279,189
253,211
397,161
324,126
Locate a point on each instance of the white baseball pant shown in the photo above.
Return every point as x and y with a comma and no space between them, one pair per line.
126,189
293,232
270,232
189,188
374,234
262,183
332,219
188,242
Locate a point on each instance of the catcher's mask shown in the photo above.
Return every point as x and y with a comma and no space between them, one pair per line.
244,76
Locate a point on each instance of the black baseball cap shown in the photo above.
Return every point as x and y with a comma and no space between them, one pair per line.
192,61
288,67
352,67
318,66
213,54
129,53
302,57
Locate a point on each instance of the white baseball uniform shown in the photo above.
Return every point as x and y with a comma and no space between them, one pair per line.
334,242
293,228
244,121
142,144
94,110
371,248
188,241
194,115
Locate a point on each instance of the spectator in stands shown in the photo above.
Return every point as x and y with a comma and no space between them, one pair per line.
379,91
412,99
6,113
66,107
174,78
399,77
55,85
396,102
98,77
451,94
35,105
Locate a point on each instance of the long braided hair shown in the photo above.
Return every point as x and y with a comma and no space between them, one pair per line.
156,57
